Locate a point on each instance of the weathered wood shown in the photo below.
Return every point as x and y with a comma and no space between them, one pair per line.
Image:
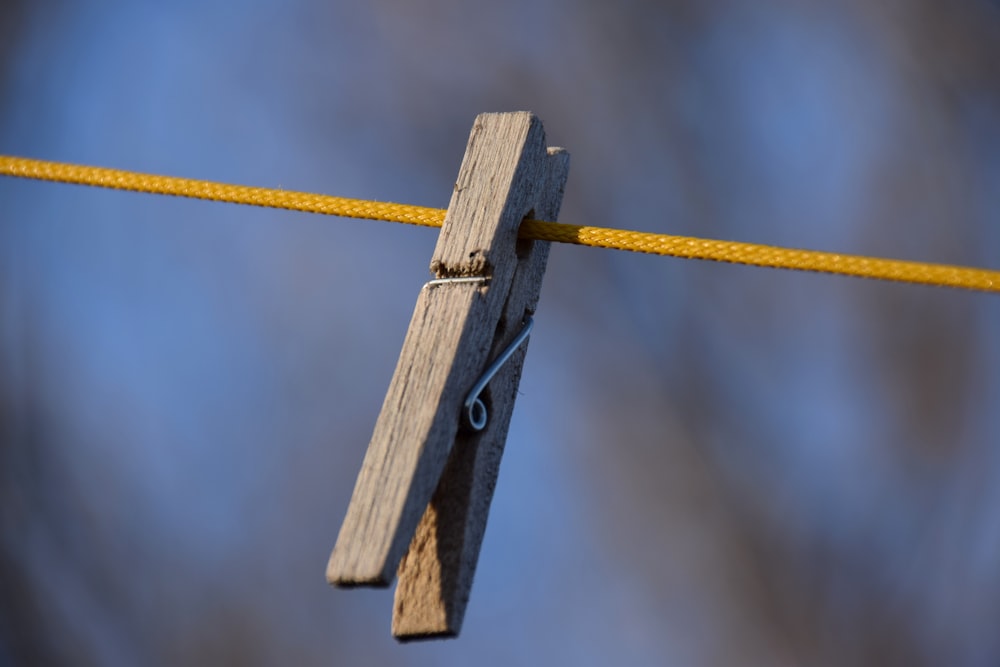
446,347
435,575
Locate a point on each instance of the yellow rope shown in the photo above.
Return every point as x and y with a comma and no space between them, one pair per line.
233,194
619,239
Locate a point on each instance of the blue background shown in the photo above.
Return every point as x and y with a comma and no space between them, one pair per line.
708,464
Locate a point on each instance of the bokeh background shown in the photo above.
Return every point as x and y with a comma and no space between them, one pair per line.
708,464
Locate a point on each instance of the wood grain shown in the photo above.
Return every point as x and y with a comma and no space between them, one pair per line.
435,576
446,347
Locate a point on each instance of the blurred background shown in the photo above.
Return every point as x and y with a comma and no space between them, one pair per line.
708,464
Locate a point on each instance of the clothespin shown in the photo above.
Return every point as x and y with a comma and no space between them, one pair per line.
422,497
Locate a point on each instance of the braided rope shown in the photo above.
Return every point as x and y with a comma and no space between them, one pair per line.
233,194
658,244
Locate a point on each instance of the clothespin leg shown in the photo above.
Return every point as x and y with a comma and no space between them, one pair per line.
435,575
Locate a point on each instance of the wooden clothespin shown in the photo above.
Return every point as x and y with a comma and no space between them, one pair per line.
422,497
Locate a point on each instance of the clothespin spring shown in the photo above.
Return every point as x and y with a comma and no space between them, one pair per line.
475,410
476,414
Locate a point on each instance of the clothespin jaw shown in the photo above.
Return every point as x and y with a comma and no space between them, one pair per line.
427,479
